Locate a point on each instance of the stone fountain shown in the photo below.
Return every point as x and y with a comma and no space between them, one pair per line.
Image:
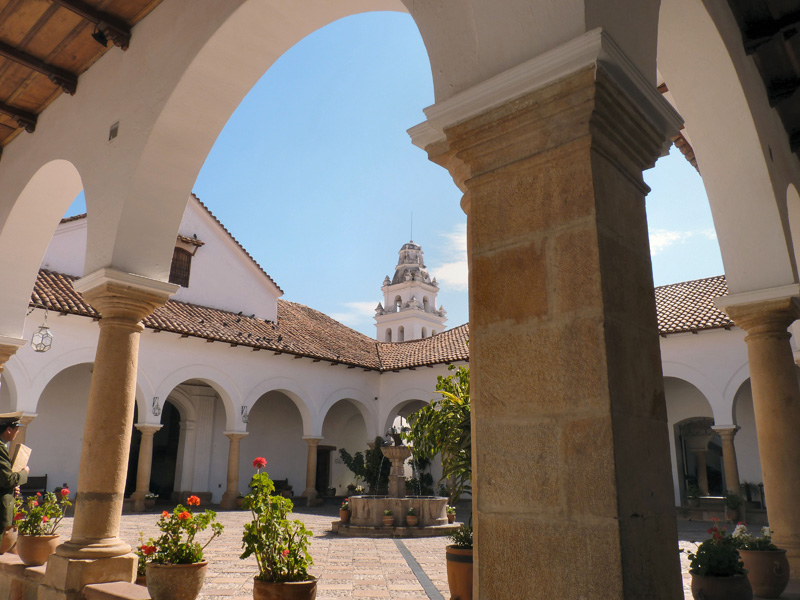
366,512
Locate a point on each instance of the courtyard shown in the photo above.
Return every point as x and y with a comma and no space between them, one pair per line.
408,569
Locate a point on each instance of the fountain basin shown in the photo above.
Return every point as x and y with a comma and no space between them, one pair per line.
366,517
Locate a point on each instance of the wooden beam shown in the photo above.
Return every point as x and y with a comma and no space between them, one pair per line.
113,28
23,119
67,81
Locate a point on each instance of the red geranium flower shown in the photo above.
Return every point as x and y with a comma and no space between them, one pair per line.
185,516
285,553
39,494
45,519
193,501
19,516
64,492
165,515
260,463
35,503
148,550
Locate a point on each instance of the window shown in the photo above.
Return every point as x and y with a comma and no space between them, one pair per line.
181,265
401,334
388,335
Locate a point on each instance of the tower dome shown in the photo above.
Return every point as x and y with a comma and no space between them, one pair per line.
409,309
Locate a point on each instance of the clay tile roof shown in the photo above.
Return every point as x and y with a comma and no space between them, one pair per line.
448,346
689,305
303,331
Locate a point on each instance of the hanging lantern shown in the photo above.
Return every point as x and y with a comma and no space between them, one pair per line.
42,339
156,408
245,414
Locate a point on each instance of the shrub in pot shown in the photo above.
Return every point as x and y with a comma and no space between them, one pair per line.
459,563
37,520
766,564
717,570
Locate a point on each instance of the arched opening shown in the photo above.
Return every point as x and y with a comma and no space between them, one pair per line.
424,332
426,304
690,417
398,303
401,334
388,335
275,431
343,427
749,463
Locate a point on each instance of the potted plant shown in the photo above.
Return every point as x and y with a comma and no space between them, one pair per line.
766,564
459,563
693,495
150,500
411,518
451,514
37,520
717,570
279,545
388,517
344,511
143,553
176,569
733,505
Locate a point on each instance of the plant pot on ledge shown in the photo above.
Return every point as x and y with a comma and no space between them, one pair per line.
176,582
290,590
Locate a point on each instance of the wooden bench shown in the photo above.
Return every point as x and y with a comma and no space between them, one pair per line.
37,483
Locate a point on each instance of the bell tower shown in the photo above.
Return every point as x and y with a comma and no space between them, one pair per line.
409,308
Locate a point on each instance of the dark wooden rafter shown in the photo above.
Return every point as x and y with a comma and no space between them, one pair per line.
67,81
23,119
114,29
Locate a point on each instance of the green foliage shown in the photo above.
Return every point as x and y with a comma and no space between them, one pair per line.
451,510
732,501
718,556
745,540
279,545
41,515
693,491
462,538
176,545
370,467
444,427
388,512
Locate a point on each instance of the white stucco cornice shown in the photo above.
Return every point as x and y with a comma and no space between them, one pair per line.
593,48
777,293
12,341
130,280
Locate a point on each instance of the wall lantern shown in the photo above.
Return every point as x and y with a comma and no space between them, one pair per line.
156,407
245,414
42,339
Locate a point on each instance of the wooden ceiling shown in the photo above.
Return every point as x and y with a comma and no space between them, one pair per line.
46,45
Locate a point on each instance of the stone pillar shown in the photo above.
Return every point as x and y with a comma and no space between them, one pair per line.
776,403
95,553
145,463
232,489
702,470
730,464
8,347
310,493
564,353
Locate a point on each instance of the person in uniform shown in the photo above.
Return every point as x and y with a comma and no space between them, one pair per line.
9,480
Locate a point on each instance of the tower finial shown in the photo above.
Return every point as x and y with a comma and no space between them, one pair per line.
412,226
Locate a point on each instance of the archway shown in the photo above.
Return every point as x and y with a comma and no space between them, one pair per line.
342,427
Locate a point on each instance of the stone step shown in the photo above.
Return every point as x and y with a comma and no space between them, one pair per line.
116,590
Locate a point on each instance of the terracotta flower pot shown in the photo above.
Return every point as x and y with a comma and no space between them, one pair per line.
291,590
141,580
721,588
175,582
451,517
767,570
344,515
412,520
34,550
459,572
388,520
149,503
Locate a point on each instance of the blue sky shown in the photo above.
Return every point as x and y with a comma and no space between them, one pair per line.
316,176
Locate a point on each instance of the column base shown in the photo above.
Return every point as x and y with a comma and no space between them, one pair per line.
138,501
312,497
65,577
228,500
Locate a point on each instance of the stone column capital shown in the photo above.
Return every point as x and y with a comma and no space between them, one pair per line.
312,441
726,431
147,428
235,436
761,316
8,346
123,297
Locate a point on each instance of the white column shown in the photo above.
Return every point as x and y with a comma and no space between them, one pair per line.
310,492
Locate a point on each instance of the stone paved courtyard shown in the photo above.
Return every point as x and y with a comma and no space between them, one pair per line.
346,567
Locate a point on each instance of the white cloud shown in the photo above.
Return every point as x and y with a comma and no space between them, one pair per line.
661,239
357,313
453,273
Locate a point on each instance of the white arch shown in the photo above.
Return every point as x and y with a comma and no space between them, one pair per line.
77,356
215,378
696,378
362,402
400,399
735,381
25,233
730,140
294,391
